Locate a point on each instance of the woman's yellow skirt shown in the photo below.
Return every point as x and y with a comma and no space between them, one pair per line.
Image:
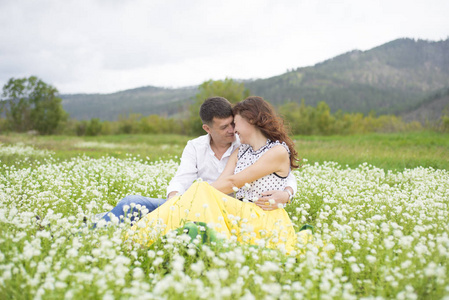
229,217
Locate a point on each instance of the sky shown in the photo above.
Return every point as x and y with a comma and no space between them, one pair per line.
105,46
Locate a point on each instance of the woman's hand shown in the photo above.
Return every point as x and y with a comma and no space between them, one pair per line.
272,200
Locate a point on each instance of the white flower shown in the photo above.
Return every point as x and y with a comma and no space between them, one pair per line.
138,273
141,224
407,211
371,259
355,268
197,267
126,208
388,243
178,263
158,261
235,189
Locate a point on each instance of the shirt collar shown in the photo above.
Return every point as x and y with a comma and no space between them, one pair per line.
231,149
208,144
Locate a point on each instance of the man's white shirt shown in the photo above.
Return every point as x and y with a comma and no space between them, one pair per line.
198,160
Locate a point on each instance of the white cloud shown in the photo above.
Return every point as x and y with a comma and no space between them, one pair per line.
105,46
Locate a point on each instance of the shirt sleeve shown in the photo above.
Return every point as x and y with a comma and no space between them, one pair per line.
187,172
291,182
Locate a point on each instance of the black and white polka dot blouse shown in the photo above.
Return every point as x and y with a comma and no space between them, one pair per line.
246,157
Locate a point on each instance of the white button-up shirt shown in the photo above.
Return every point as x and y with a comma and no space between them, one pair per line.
198,160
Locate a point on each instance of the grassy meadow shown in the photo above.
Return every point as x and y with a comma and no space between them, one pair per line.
379,204
394,151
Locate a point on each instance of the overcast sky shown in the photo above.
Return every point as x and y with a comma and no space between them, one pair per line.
103,46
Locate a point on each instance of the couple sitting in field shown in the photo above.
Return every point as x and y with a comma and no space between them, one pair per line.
255,166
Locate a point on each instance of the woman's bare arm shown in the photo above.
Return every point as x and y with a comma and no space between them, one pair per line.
276,160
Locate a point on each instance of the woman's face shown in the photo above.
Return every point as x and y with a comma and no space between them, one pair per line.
243,128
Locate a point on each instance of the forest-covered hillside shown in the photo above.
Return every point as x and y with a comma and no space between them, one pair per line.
145,100
394,78
391,78
429,110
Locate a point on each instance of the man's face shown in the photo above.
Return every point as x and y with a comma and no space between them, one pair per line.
221,130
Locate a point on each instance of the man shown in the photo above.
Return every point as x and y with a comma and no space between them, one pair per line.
204,157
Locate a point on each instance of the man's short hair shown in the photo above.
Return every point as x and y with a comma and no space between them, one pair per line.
215,107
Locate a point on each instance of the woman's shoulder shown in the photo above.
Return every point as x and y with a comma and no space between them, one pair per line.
279,145
279,149
276,153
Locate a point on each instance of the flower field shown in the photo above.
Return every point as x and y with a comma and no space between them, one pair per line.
377,235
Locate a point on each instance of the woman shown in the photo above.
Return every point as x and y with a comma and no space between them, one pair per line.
261,163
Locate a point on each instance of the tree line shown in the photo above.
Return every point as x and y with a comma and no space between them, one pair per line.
29,104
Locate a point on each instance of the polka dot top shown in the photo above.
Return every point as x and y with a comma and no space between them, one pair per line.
245,158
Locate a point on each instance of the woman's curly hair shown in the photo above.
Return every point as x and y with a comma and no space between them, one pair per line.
260,113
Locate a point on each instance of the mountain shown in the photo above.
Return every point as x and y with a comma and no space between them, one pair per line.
387,79
144,100
393,78
429,110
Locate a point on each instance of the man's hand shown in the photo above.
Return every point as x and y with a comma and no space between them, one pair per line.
172,194
270,200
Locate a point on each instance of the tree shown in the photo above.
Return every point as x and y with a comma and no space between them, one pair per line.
94,127
232,90
324,119
30,103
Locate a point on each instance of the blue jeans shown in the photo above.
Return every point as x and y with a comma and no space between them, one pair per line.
132,211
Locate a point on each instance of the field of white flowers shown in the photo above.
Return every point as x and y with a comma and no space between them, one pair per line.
378,235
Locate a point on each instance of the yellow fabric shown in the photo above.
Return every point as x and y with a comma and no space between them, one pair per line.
230,217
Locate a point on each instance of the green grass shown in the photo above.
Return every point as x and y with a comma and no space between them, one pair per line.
376,234
154,147
388,151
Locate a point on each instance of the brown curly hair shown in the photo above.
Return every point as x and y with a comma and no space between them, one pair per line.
260,113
